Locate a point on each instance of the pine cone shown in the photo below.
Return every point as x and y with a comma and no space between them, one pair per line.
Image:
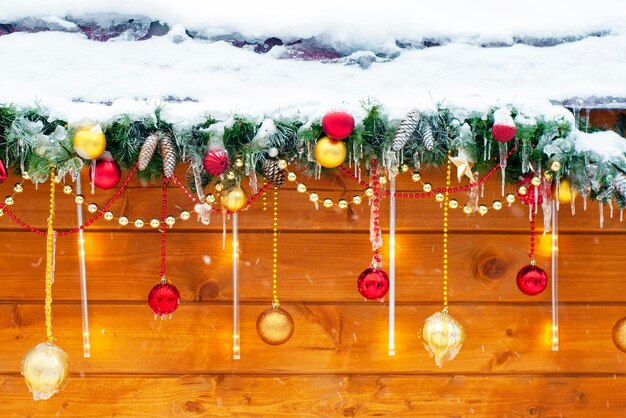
168,152
147,150
273,174
427,136
407,128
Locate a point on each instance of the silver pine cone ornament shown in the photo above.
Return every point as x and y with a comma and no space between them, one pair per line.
405,131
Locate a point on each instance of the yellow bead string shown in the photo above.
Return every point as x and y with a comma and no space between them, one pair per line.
50,258
445,236
275,302
264,197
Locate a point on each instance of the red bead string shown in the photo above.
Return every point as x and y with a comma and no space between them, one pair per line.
376,209
217,210
166,180
531,254
86,224
422,195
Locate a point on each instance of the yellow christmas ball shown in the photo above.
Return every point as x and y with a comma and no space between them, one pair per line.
46,369
566,194
233,198
442,336
619,334
275,326
330,153
90,143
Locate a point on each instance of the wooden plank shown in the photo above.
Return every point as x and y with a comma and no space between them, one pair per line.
348,338
313,267
297,213
323,396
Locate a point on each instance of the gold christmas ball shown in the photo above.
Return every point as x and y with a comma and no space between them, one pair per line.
282,164
535,181
328,203
483,209
369,192
90,143
356,199
453,204
428,187
233,198
566,194
238,162
301,188
404,168
468,209
439,197
313,197
522,190
619,334
510,198
555,166
330,153
416,177
155,223
46,369
343,204
497,205
442,336
67,189
210,198
108,216
275,326
291,176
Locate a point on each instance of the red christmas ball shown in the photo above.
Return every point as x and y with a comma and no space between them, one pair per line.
503,133
164,299
373,283
107,174
216,162
338,125
3,172
532,280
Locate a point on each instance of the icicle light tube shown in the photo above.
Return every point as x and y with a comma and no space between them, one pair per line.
392,265
83,275
236,346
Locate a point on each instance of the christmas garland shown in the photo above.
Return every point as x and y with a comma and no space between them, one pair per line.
31,142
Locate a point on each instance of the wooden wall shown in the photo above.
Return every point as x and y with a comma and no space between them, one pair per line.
336,364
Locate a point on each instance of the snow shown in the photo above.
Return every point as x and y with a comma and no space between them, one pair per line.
502,116
78,79
356,24
605,145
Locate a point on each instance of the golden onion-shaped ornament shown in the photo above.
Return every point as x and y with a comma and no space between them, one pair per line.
46,369
443,337
233,199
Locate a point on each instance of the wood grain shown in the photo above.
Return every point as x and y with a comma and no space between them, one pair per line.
313,267
322,396
328,338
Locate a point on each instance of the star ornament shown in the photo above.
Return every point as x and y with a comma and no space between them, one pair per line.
463,166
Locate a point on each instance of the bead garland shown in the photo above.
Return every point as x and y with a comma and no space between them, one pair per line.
531,253
275,302
376,211
164,225
328,203
445,237
50,243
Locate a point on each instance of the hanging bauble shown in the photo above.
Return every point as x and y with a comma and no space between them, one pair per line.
275,326
90,143
503,129
619,334
233,198
373,283
3,171
330,153
107,174
46,369
216,162
164,299
566,194
443,337
338,125
532,280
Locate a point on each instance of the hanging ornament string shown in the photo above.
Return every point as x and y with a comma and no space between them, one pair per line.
275,325
531,279
275,302
445,237
164,297
236,331
83,275
50,262
442,335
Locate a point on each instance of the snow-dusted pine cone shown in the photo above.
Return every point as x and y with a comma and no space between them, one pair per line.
273,173
407,128
168,152
147,150
428,139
